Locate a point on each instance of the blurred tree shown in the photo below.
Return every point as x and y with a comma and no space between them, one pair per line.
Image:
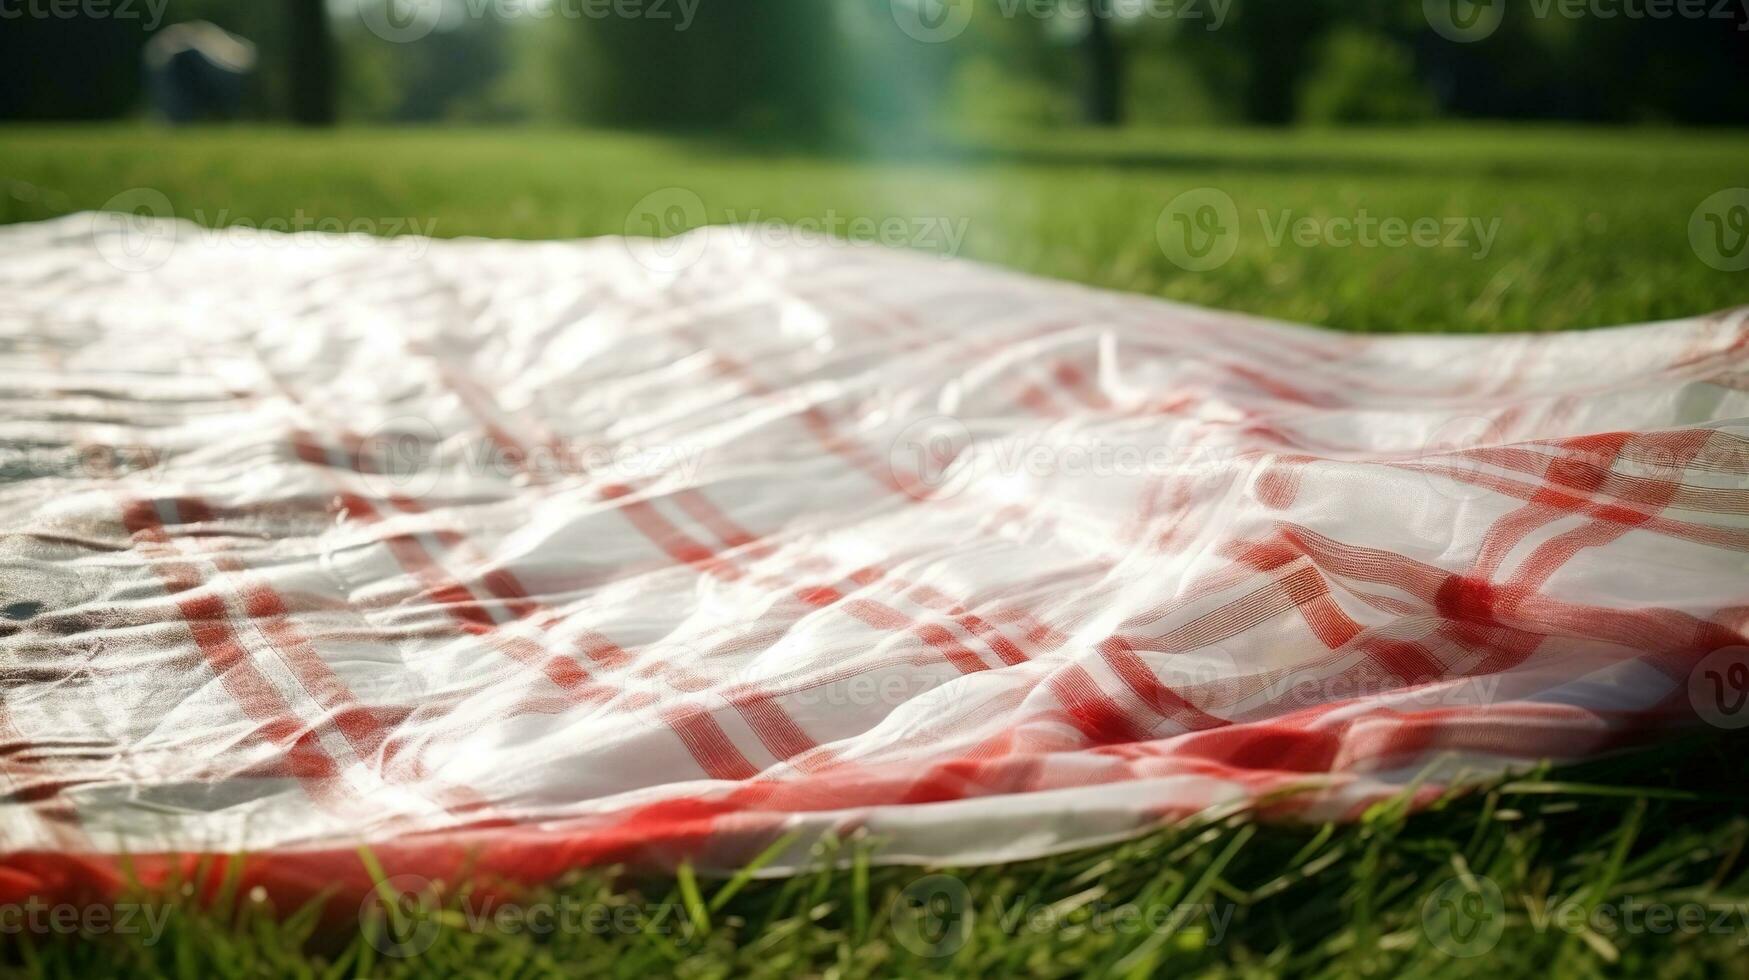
1104,67
68,68
310,46
458,72
1276,42
811,71
1362,76
761,67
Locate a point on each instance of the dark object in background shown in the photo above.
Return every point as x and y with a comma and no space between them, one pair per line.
1104,94
195,72
310,45
54,68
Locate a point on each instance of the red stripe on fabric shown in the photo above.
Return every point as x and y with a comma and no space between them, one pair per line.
643,515
821,428
207,620
708,743
1091,710
884,617
1039,401
1076,382
465,609
701,509
776,730
356,722
1644,629
1139,678
1607,524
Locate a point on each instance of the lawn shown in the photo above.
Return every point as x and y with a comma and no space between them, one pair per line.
1588,228
1557,873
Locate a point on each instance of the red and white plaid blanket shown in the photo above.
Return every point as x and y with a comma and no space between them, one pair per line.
504,558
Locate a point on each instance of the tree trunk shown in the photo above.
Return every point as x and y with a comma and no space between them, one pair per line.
311,58
1104,102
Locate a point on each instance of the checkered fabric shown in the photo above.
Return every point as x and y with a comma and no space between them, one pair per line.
504,558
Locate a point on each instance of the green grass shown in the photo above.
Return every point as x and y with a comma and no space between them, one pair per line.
1593,230
1613,840
1593,225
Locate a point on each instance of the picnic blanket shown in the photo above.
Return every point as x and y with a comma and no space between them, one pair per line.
504,558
